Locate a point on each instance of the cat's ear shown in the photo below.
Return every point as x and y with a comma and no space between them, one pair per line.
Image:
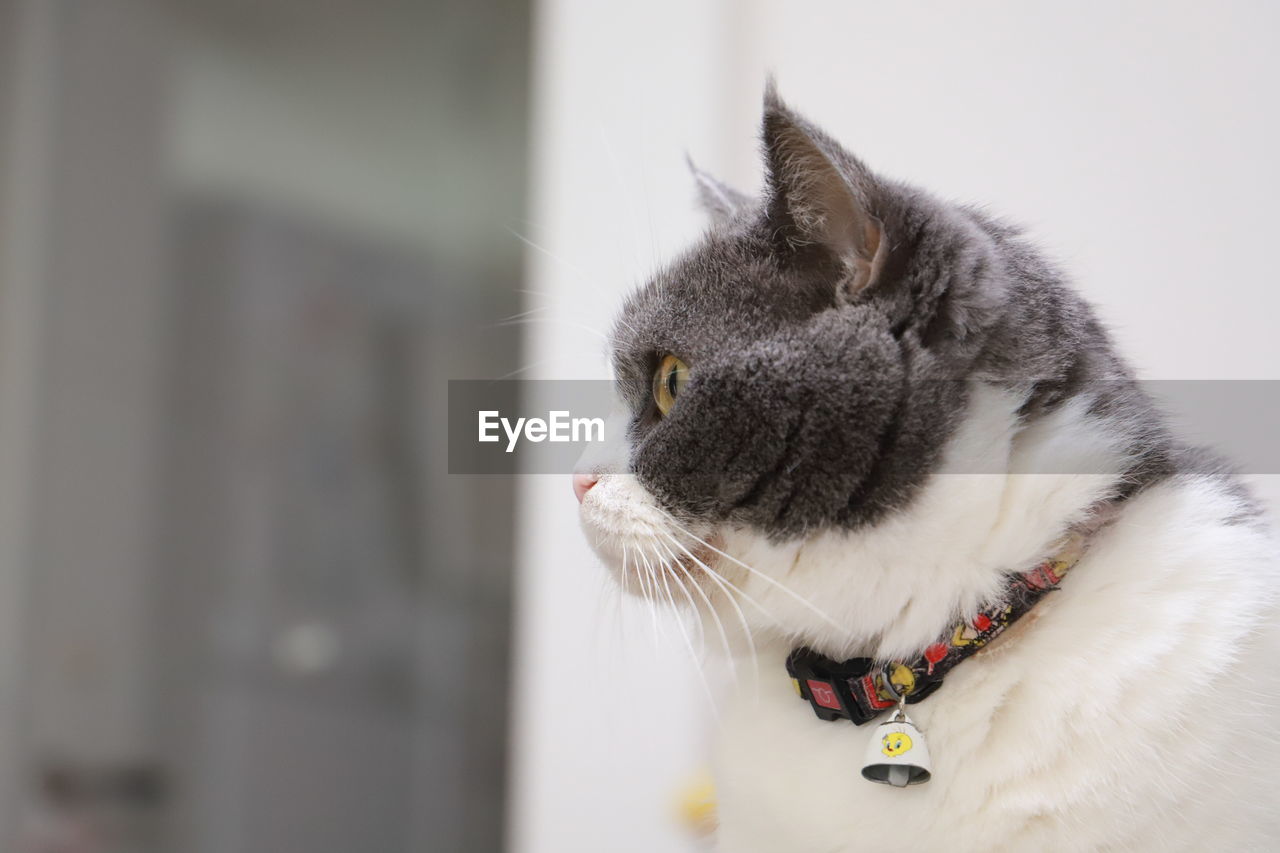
719,200
821,195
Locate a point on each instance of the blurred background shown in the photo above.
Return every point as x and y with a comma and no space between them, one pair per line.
244,607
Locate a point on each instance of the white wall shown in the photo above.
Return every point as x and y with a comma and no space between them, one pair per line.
606,719
1136,139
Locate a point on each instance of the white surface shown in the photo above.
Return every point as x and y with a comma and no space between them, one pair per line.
606,720
1137,140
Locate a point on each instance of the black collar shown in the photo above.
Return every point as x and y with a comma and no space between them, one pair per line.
859,689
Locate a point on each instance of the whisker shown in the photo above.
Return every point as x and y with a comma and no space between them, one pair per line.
550,254
528,321
668,575
656,573
747,597
626,580
603,595
702,676
804,602
622,322
721,583
711,610
649,590
531,366
522,314
619,609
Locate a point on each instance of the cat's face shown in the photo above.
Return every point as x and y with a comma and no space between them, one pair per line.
796,372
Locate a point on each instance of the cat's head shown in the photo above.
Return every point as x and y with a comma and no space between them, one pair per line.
802,368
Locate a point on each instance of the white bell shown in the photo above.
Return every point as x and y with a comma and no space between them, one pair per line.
897,754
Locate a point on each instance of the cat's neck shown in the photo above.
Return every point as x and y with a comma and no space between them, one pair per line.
1004,495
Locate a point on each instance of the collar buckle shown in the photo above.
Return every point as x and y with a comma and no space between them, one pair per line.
827,684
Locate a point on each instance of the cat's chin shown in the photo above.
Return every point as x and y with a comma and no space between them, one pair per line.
648,551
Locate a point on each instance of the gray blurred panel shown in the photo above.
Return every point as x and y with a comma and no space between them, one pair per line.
338,613
246,609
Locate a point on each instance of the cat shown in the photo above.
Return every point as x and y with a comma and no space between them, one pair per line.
852,411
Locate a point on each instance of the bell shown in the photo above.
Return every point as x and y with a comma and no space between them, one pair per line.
897,754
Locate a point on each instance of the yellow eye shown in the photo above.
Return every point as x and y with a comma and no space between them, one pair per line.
668,380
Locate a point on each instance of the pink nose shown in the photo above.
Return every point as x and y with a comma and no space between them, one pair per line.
582,484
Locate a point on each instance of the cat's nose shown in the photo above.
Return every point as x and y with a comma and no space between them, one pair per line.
582,484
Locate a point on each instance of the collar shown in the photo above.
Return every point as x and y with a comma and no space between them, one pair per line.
859,689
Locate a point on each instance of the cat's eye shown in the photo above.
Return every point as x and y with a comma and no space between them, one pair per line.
668,381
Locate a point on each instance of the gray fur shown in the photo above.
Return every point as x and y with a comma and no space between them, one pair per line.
815,403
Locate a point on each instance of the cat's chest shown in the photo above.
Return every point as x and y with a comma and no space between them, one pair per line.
1112,695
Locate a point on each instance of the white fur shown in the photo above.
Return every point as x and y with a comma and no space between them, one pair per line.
1133,710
